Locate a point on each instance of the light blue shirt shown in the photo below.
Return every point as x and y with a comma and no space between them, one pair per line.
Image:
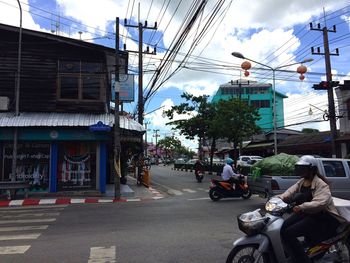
228,172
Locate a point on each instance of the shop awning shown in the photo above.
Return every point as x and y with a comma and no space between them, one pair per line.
259,145
32,119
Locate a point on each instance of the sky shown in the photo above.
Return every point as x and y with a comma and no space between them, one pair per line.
273,32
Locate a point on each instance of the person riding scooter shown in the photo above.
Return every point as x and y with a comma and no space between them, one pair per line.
198,170
311,215
229,175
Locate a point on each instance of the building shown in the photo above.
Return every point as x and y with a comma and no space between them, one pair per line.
257,94
65,125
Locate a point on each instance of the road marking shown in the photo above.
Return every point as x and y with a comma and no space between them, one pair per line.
175,192
189,191
202,198
29,215
17,211
105,201
157,197
13,250
23,228
201,189
102,255
16,203
24,221
19,237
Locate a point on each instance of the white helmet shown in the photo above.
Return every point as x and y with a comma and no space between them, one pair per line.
307,160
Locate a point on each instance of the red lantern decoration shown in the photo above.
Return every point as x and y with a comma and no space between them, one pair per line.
301,77
246,73
302,69
246,65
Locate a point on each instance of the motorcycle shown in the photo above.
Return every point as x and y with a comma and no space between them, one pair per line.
223,189
199,176
263,243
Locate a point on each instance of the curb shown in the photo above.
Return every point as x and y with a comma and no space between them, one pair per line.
64,201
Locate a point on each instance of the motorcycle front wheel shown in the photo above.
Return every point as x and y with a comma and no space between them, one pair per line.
246,254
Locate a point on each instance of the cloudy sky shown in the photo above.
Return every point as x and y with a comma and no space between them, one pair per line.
273,32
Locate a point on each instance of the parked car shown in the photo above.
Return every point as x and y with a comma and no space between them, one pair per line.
180,161
336,170
248,160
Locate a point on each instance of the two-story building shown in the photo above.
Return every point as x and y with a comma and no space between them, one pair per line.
65,123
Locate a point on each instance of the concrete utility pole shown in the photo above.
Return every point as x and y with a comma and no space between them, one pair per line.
116,159
17,90
156,135
140,28
331,107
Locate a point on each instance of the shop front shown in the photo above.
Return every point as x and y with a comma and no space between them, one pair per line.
53,157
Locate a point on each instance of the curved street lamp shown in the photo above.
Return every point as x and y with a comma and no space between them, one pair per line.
240,55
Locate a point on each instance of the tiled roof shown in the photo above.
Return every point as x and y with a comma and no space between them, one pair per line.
309,138
32,119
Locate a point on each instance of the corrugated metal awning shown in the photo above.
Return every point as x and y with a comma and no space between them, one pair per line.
32,119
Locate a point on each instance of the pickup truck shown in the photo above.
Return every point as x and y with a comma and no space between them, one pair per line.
337,172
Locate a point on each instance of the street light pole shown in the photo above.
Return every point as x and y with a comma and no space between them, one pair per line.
240,55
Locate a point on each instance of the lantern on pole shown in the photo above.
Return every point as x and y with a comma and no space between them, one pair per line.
301,70
246,65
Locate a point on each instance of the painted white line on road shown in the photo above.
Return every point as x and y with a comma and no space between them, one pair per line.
30,215
102,255
174,192
47,202
201,189
19,237
133,199
202,198
16,202
13,250
77,201
189,191
25,221
23,228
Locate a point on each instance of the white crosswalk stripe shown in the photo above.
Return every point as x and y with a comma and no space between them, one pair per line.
189,191
102,255
15,234
174,192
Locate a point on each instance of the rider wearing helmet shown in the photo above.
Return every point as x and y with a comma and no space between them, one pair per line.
229,175
314,211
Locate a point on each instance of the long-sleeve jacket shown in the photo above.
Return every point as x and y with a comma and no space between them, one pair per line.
321,198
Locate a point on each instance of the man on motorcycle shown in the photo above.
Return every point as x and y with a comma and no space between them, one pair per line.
312,214
229,175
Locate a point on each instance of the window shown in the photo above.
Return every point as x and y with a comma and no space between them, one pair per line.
257,90
334,168
80,80
260,103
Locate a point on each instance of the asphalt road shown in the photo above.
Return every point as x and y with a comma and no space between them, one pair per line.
184,226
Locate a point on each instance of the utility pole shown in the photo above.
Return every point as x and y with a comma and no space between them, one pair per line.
17,91
156,135
331,107
116,159
146,151
140,28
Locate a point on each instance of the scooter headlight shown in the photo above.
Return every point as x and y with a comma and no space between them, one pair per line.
275,204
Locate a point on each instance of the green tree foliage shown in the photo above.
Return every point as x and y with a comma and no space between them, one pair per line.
169,145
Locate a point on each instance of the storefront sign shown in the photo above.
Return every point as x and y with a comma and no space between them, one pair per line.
100,126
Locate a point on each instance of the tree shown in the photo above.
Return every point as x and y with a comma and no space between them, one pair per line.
169,145
199,112
236,119
309,130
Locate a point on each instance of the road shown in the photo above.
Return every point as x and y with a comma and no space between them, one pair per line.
184,226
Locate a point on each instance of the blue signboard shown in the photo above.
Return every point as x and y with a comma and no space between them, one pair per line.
99,126
126,92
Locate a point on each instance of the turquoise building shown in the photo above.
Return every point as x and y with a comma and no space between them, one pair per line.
257,94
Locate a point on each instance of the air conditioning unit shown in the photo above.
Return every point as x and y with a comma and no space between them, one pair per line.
4,103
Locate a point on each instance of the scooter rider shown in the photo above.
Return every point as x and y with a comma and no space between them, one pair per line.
229,175
198,167
310,217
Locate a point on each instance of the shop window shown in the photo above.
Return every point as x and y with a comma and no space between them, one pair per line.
32,164
76,166
260,103
80,81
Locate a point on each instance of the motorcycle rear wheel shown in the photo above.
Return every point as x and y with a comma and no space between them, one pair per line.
246,254
247,194
214,194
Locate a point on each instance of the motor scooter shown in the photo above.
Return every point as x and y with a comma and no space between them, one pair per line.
263,242
199,176
224,189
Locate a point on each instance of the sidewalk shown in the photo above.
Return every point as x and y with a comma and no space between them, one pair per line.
129,193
